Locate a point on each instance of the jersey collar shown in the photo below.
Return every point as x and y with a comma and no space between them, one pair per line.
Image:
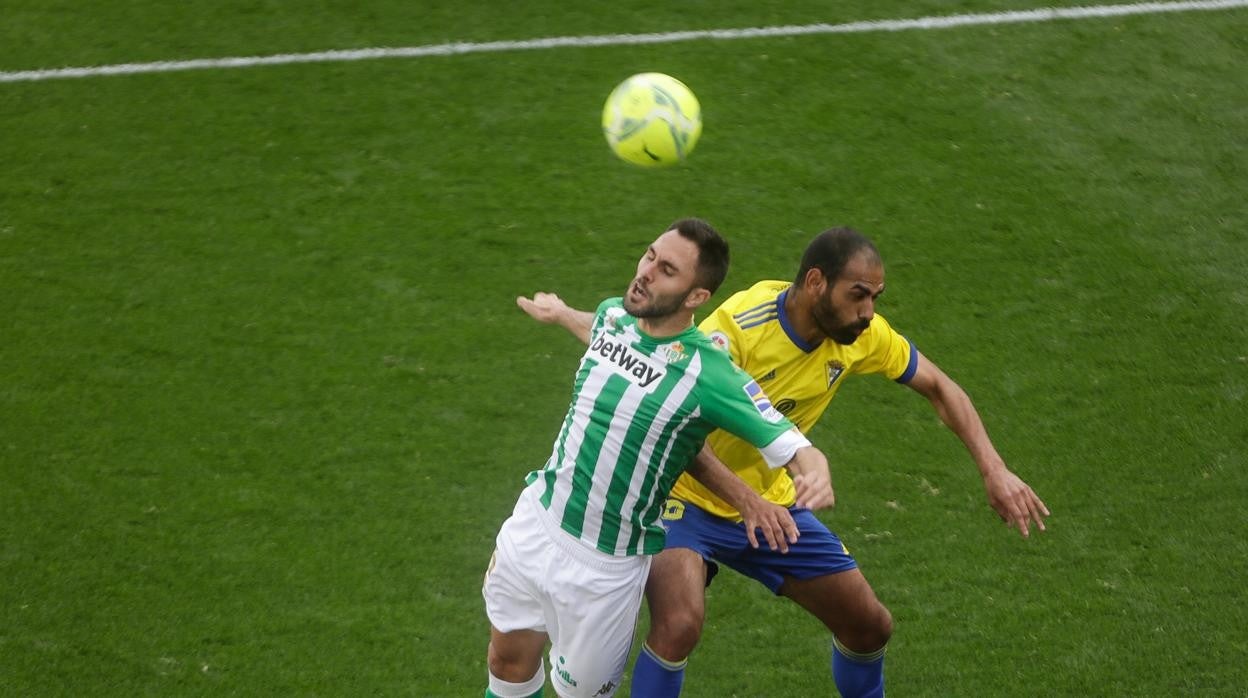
788,326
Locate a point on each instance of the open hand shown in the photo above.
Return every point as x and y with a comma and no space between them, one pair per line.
1015,502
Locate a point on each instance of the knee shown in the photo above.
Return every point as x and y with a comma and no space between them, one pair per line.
876,632
871,633
511,666
883,626
674,635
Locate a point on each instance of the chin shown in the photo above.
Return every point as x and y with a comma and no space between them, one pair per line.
639,310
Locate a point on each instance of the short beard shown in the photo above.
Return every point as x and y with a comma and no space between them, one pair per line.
844,336
660,307
841,334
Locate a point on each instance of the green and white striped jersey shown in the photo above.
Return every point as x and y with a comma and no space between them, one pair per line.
641,409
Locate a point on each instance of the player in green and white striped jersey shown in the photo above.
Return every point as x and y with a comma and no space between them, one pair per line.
571,562
641,408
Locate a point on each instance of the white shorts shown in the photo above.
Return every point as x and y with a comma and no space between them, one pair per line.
586,601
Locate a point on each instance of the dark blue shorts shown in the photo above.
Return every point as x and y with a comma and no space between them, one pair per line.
817,552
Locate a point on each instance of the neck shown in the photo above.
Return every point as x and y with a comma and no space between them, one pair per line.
797,308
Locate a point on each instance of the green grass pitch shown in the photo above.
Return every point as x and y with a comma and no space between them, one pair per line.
265,396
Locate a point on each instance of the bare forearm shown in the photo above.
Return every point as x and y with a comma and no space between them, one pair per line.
578,322
719,479
958,413
550,308
757,514
1014,500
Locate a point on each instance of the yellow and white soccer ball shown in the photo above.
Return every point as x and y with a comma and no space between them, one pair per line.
652,120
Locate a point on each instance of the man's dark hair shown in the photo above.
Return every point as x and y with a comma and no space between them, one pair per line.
712,251
831,250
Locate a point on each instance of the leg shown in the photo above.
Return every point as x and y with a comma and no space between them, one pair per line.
860,625
847,605
820,575
675,593
676,596
593,622
515,656
514,602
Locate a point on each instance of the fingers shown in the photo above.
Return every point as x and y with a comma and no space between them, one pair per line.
774,542
1016,503
789,526
819,500
802,485
777,525
1014,516
1039,508
541,307
1036,510
813,493
547,300
1021,521
750,536
773,532
1023,510
527,305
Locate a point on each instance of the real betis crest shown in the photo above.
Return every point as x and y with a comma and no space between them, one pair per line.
835,369
674,352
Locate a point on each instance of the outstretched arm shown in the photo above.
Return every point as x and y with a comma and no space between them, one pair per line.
779,529
550,309
1013,499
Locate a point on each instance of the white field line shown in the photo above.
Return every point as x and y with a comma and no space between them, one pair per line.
890,25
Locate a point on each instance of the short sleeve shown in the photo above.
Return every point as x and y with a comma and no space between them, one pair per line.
733,401
888,352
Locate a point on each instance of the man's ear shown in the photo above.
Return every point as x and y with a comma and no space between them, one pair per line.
697,297
815,282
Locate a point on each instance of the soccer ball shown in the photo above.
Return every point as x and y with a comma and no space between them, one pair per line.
652,120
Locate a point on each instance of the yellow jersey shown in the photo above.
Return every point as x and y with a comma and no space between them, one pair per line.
800,380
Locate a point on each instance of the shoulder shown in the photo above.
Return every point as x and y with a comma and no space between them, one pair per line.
879,336
744,306
881,349
752,307
709,350
610,303
879,327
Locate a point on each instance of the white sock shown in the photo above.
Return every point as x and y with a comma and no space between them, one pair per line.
507,689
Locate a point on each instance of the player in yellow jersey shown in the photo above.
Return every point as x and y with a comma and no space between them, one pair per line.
800,342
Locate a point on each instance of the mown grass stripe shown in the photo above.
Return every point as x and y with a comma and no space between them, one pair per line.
1047,14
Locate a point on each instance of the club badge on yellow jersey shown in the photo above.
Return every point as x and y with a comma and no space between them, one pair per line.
835,369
